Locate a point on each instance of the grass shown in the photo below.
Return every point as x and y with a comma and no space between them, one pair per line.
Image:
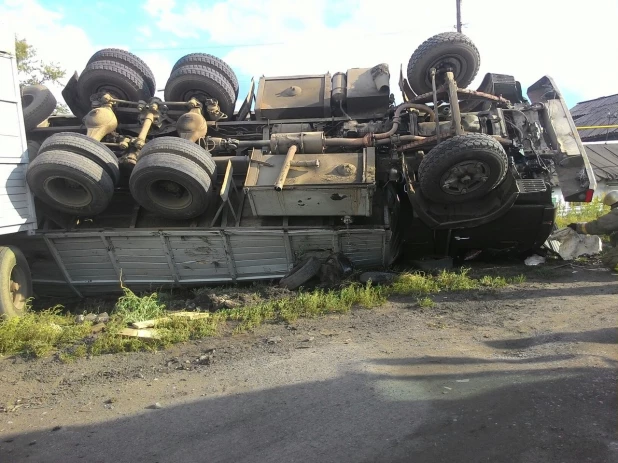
580,212
39,334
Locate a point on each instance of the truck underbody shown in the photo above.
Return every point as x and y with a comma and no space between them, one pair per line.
321,165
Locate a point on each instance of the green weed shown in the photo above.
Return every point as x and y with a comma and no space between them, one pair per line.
36,334
41,333
425,302
132,308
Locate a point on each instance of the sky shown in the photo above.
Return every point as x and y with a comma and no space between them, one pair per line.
574,42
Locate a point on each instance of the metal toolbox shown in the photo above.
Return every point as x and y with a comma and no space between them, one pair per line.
342,185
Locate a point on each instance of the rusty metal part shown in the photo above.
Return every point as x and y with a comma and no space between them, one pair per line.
416,144
305,142
287,163
149,114
434,95
213,111
453,100
100,122
463,94
192,125
433,139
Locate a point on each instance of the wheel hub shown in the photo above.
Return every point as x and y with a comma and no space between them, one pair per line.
464,177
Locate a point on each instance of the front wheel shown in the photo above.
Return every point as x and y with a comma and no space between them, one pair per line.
463,168
15,282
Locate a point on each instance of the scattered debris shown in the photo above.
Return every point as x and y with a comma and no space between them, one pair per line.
463,380
148,323
143,334
377,277
573,245
98,328
190,315
204,360
155,406
274,340
102,318
56,428
534,259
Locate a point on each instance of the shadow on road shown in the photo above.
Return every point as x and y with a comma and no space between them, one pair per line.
515,415
600,336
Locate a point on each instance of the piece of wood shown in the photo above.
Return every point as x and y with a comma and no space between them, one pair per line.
149,323
142,334
98,328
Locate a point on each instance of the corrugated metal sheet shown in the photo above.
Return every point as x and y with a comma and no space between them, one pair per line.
604,160
90,260
16,206
600,111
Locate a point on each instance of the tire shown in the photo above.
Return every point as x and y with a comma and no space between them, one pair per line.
443,51
467,158
128,59
301,273
201,83
33,150
84,146
71,183
38,103
155,175
181,147
15,282
119,80
211,62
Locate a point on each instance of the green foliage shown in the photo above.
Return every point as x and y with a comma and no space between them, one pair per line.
36,334
580,212
425,302
132,308
32,70
41,333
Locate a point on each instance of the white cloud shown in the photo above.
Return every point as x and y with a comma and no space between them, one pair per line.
54,41
528,38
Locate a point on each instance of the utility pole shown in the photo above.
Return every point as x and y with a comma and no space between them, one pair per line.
458,3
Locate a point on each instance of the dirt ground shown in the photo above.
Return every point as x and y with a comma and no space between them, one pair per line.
524,374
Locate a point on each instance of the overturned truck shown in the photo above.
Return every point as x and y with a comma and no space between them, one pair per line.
186,190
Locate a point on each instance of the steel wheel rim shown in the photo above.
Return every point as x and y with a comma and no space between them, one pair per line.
17,283
169,194
67,191
465,177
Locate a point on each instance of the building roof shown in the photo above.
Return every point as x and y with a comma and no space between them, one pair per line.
600,111
604,160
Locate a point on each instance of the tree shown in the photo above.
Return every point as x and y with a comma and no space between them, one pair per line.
34,71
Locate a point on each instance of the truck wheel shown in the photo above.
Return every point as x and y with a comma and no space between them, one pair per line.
119,80
462,168
449,51
181,147
128,59
15,282
202,83
38,103
84,146
170,185
210,62
70,183
33,149
301,273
